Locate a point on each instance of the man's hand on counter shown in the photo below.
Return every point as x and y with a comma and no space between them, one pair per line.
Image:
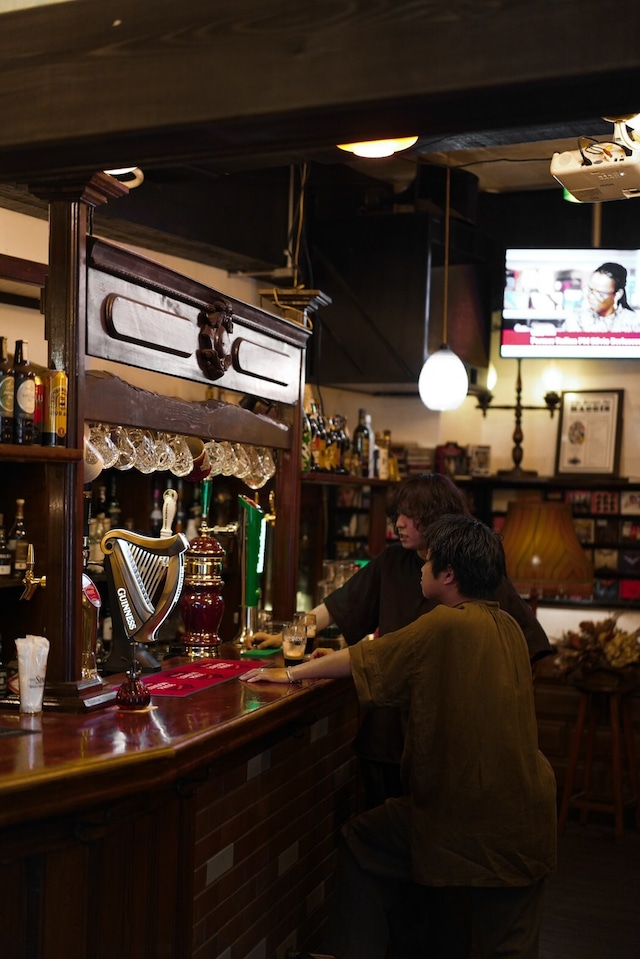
266,674
261,640
335,666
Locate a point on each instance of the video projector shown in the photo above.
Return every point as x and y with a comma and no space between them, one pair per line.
611,174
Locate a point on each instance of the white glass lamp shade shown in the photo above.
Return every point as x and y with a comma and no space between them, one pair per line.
443,382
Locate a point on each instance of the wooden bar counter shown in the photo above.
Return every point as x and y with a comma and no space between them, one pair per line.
204,827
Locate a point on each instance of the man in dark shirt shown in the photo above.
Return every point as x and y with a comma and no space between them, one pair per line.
385,595
477,821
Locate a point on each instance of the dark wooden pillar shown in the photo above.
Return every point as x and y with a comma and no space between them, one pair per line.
65,327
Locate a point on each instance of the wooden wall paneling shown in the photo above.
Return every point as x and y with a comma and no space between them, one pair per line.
268,822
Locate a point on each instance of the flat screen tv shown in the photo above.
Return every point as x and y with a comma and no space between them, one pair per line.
559,304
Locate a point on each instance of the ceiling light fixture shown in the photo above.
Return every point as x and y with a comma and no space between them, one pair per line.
131,176
378,148
444,382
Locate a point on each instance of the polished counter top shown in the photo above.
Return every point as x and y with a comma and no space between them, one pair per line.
55,762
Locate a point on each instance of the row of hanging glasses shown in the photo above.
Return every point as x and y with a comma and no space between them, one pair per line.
124,448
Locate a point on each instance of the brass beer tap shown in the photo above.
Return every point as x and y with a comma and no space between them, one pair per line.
30,581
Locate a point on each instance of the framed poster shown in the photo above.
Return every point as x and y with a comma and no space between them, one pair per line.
590,433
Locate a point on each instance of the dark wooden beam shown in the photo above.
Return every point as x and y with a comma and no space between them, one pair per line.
152,81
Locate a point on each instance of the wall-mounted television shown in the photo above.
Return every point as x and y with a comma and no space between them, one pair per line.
559,303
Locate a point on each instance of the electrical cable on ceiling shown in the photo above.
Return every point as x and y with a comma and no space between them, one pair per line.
296,226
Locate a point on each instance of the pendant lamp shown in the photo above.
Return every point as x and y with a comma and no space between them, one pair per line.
443,382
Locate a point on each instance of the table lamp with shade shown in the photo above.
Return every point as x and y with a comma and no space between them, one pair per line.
544,557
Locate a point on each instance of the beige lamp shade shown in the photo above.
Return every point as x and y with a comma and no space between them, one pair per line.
544,557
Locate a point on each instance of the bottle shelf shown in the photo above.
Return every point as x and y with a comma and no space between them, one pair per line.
343,479
39,454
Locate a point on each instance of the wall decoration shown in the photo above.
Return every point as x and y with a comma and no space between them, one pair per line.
590,433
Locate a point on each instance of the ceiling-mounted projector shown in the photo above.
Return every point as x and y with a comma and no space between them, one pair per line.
603,172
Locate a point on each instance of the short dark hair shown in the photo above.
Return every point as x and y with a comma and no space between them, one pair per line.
472,550
425,497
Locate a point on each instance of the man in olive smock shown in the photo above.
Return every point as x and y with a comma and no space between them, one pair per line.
479,817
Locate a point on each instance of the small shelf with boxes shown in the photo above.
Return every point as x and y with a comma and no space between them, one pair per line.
606,519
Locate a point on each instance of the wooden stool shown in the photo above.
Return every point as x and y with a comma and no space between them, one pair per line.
606,701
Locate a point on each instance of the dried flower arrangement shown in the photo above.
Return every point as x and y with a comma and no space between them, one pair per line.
595,646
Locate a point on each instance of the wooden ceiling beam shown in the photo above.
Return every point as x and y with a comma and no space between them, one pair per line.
152,82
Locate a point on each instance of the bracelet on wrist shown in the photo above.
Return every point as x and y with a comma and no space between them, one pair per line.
292,681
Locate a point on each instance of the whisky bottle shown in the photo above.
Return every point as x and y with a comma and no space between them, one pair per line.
6,394
113,507
3,674
361,446
18,537
181,514
383,443
91,603
319,438
5,555
38,409
155,516
306,459
24,399
372,446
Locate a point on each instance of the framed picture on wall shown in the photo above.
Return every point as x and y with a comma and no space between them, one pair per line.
590,433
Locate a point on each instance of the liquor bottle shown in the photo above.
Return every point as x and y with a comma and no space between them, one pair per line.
372,446
335,448
6,394
155,516
382,442
24,400
91,603
181,514
3,674
394,468
319,442
19,539
101,507
113,506
54,423
361,446
314,434
5,554
347,448
38,409
330,449
194,521
306,460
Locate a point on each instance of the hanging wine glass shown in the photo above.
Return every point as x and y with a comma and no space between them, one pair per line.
143,443
256,478
165,455
93,464
126,450
243,463
268,464
216,457
100,439
183,463
230,461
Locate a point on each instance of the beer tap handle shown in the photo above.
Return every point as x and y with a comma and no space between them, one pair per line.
169,507
30,581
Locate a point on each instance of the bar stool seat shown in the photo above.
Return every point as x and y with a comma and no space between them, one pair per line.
606,703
